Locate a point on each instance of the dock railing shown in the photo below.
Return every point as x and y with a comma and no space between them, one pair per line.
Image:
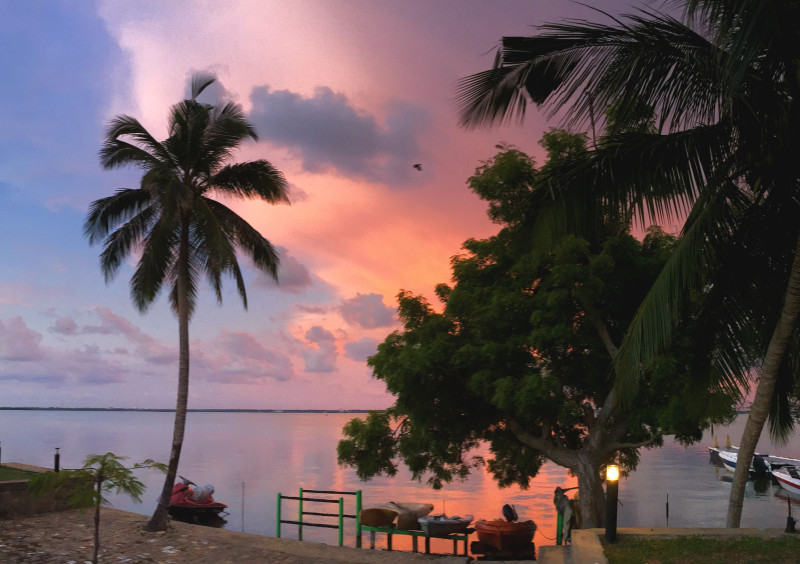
340,514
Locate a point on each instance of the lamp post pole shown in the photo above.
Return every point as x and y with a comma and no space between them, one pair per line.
612,491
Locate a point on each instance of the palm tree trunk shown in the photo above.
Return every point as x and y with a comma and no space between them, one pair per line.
158,522
768,375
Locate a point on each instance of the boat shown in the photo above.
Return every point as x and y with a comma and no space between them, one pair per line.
759,465
404,516
788,477
193,504
441,525
506,535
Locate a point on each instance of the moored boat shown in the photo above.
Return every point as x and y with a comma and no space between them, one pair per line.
759,465
441,525
788,477
506,535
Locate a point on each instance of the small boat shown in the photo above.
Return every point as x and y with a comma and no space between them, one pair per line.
441,525
506,535
759,465
788,477
404,516
193,504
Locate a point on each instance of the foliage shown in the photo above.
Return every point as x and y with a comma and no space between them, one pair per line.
522,354
721,155
8,473
85,486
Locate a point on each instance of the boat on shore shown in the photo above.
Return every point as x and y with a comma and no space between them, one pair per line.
194,504
405,516
441,525
506,535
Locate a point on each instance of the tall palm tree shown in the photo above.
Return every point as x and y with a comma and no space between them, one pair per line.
180,231
726,85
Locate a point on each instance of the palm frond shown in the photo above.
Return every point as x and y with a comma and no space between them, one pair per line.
142,150
106,213
157,261
119,244
247,239
254,179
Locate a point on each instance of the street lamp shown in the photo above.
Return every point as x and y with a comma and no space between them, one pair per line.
612,489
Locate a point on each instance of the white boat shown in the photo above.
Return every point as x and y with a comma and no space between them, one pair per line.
788,477
759,465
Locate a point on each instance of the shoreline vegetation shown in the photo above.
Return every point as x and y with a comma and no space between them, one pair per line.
158,409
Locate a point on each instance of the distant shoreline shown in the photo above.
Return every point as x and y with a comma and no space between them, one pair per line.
156,409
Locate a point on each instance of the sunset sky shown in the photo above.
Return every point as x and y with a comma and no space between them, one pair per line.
345,96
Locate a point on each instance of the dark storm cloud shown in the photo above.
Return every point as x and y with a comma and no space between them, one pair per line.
329,134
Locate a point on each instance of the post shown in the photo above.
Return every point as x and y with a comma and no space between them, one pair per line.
612,492
559,527
341,521
358,519
278,518
57,462
242,506
300,516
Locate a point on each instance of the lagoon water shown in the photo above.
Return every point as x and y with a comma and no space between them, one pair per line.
251,457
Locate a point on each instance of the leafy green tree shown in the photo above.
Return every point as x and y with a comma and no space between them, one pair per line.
726,88
521,354
85,486
180,231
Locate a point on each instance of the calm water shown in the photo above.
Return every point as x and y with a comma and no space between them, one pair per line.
251,457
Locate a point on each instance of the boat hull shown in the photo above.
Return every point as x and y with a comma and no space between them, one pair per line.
788,478
505,535
405,516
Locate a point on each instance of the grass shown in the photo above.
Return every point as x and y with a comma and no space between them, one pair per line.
698,550
7,473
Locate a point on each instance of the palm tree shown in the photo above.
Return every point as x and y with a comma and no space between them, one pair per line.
179,230
725,82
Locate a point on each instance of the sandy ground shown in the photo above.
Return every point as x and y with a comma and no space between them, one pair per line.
66,537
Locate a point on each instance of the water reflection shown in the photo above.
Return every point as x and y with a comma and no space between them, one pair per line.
250,457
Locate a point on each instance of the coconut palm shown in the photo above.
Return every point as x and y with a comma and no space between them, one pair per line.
725,82
179,230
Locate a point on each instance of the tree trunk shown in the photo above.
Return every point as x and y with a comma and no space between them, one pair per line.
590,489
768,375
158,522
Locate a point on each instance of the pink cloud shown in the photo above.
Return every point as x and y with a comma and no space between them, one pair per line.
238,357
293,276
18,342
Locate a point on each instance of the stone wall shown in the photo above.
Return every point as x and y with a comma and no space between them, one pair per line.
15,499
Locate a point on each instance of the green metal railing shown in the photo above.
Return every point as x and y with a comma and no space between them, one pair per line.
301,512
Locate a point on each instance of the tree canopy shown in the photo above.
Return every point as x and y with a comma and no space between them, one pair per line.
521,355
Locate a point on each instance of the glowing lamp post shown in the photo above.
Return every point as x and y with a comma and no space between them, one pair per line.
612,489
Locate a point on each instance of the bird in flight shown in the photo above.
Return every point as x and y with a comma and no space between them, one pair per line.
418,166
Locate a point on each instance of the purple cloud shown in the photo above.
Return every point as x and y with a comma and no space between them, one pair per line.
238,357
321,355
329,134
64,326
362,349
367,311
293,276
